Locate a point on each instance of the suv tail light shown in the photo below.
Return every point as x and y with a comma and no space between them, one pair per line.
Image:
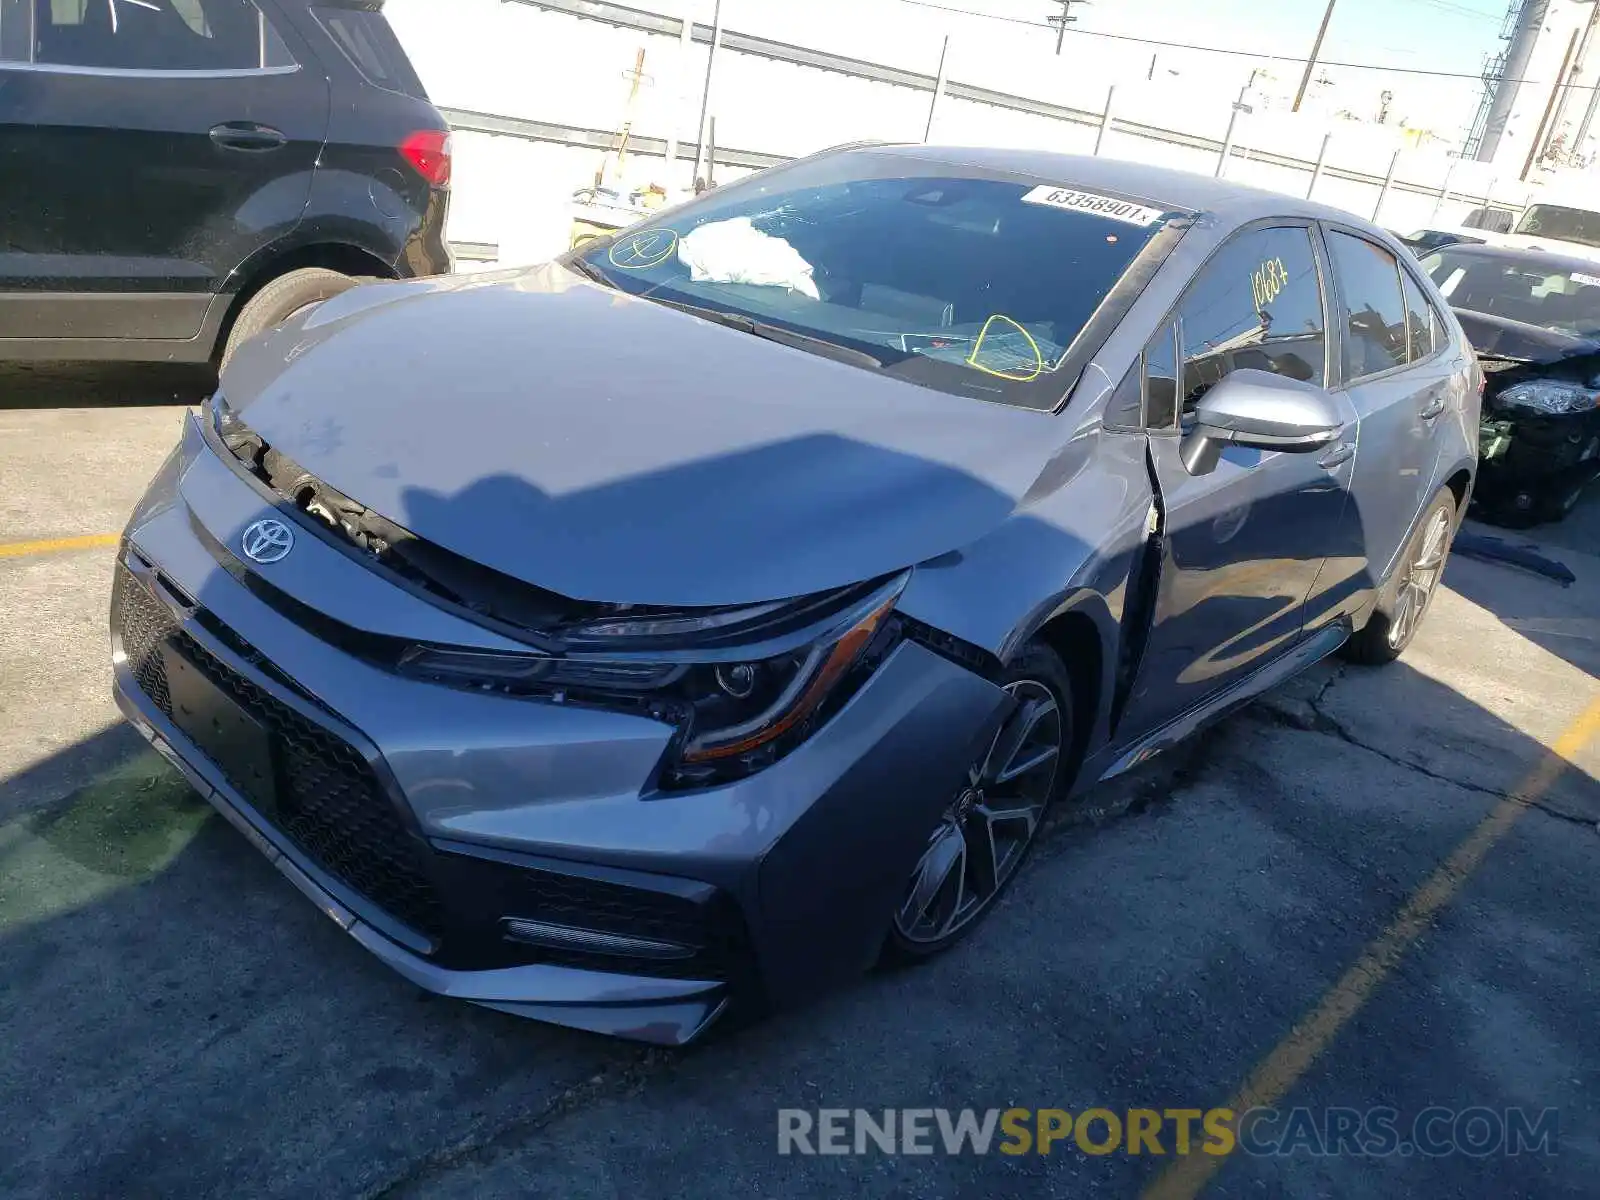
428,152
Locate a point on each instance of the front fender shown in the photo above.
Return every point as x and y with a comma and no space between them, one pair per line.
1069,551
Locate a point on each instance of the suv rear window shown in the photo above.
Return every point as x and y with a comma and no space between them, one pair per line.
368,41
927,272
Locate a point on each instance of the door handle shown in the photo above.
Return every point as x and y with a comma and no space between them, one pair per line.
247,135
1432,408
1341,453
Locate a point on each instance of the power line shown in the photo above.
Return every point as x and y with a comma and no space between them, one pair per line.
1475,76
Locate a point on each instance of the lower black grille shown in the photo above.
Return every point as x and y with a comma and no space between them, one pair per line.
144,624
706,929
326,800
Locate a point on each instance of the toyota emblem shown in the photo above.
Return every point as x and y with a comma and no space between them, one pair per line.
266,541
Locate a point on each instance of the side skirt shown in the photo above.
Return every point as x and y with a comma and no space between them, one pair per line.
1114,760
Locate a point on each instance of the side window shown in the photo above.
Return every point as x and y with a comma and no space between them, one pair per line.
1419,328
1256,304
1369,280
1161,380
156,35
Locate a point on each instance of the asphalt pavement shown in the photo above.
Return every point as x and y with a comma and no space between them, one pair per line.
1373,889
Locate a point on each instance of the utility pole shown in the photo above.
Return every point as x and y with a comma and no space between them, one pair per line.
1062,20
1316,49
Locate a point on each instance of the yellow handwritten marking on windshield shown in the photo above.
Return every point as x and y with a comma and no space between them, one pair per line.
642,250
1267,281
977,346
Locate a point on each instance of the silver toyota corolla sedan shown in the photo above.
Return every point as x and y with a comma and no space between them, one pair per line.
697,619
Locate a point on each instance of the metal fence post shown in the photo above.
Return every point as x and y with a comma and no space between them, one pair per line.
1227,141
1322,157
938,89
1388,181
1444,190
1105,120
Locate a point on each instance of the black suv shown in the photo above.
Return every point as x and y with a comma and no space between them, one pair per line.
177,175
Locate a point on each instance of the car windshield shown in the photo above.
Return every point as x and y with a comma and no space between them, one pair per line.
1532,290
1580,225
965,281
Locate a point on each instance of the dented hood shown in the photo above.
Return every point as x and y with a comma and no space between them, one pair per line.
611,449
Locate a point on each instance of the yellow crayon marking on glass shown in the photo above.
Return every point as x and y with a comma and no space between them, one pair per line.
1268,281
642,250
977,346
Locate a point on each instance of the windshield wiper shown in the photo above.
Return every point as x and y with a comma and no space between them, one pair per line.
589,271
775,333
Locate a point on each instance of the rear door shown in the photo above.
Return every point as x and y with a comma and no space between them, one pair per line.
146,148
1399,386
1243,544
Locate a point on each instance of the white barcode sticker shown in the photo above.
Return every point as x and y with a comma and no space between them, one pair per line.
1090,202
1586,280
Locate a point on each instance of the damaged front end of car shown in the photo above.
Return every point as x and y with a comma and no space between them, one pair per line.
1539,439
742,684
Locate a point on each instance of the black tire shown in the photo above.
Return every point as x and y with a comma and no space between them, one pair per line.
280,299
1034,674
1379,641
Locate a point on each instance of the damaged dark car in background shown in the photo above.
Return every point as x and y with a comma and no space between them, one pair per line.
1534,320
696,620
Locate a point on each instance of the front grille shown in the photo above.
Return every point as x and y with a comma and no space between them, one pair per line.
144,624
328,802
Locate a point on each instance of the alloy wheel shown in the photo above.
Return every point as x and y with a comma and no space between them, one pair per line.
982,837
1421,577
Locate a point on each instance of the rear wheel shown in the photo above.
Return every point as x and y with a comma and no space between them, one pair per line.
281,299
1389,631
986,831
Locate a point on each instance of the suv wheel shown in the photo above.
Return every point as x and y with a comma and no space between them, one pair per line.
281,299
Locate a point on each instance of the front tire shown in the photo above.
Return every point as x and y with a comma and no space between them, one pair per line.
984,835
1405,600
279,300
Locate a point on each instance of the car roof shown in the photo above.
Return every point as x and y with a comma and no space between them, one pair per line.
1167,188
1519,254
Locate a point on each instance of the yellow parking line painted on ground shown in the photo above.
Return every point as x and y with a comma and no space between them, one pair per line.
1290,1058
51,545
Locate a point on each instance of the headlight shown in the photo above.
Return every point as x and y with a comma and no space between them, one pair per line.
738,706
1552,397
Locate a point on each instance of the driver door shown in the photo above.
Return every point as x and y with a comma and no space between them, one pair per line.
1242,544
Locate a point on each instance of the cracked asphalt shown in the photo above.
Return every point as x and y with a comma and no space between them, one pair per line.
179,1022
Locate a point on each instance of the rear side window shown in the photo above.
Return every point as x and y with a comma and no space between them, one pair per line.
1257,304
1419,323
1369,280
150,35
368,41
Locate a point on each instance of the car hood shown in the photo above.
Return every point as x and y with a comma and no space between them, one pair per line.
615,450
1500,338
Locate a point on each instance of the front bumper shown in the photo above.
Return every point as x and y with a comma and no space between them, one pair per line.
1519,450
422,818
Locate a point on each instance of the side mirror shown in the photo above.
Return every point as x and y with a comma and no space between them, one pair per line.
1262,411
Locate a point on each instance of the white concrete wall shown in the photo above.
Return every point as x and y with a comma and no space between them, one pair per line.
516,60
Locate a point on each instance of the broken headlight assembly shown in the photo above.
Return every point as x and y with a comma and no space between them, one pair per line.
1549,397
738,706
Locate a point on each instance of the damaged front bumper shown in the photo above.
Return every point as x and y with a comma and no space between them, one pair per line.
508,851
